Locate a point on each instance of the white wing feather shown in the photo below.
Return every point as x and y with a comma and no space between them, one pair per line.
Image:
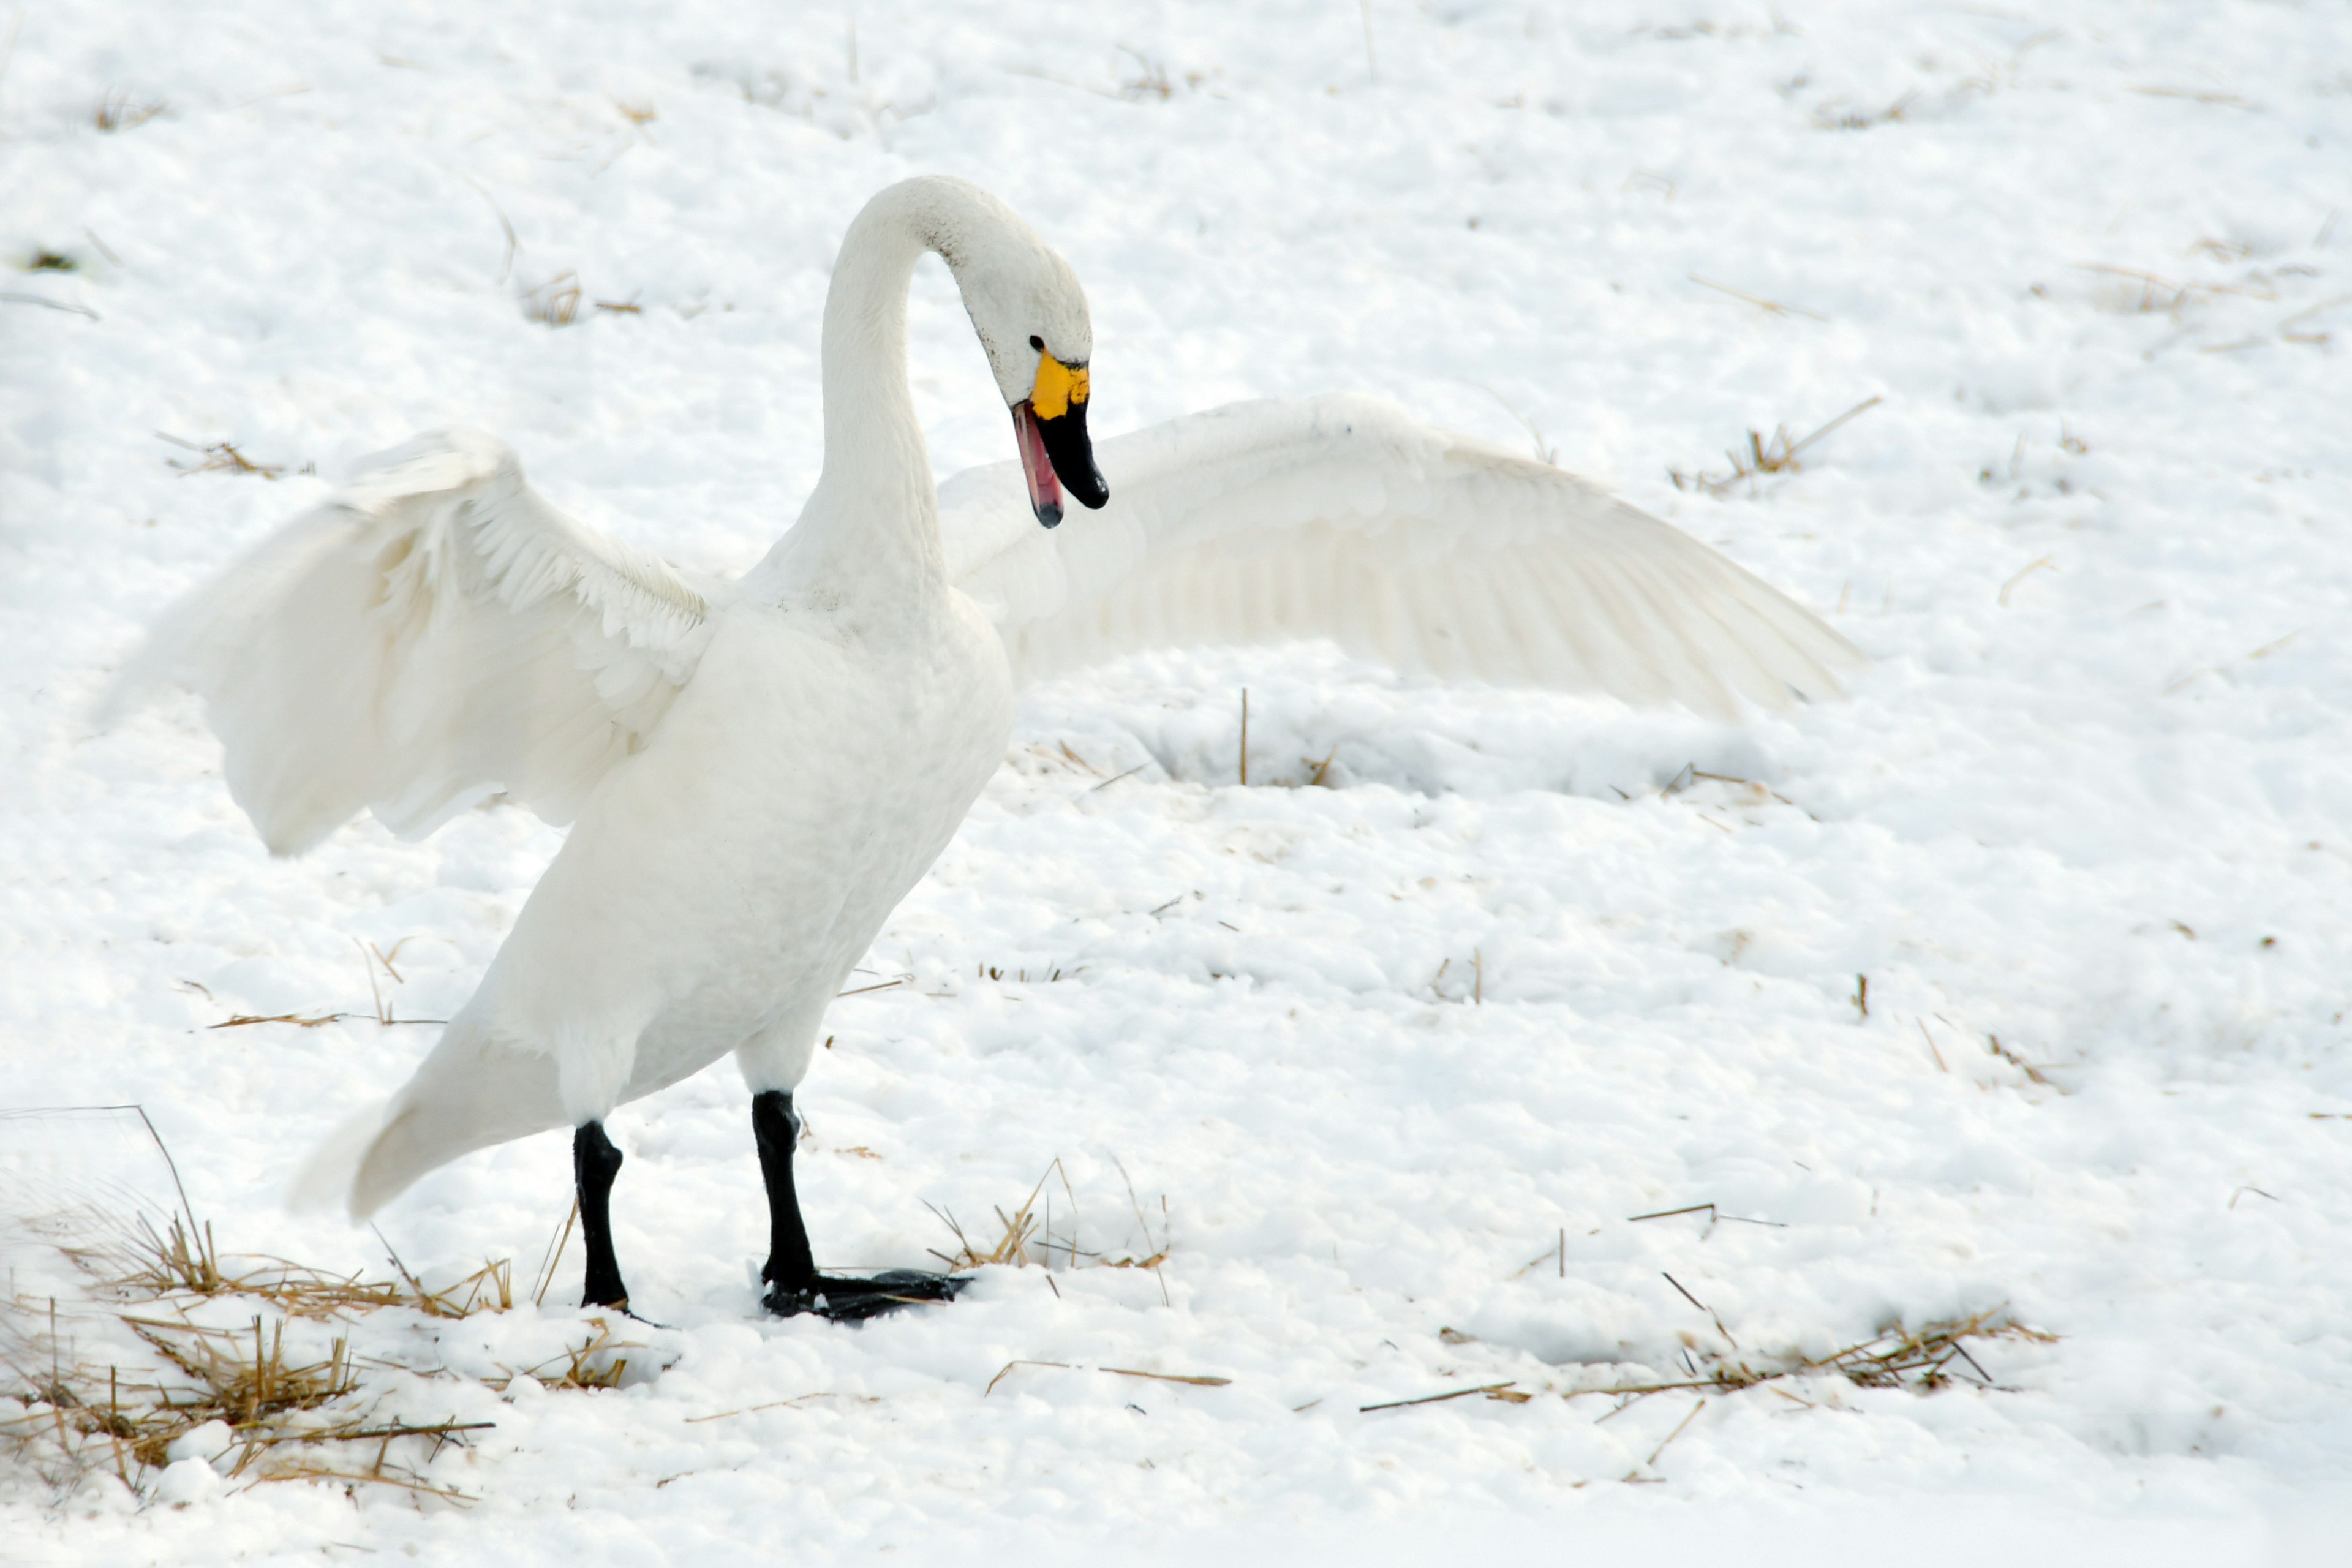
437,633
1343,517
431,636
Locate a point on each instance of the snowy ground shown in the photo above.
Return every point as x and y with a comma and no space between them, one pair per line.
1380,1045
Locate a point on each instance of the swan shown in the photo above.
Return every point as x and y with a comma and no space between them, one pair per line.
757,771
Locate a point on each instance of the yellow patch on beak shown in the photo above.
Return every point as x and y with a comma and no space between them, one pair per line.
1058,386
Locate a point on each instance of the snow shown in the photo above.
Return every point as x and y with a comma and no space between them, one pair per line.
1516,977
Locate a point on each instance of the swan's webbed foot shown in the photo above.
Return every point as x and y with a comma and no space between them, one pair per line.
853,1300
795,1286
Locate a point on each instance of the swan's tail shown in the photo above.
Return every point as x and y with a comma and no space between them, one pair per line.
325,1181
472,1091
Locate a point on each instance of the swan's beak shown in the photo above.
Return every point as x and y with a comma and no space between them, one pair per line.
1056,455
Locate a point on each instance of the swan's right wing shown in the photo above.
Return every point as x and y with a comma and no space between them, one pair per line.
1343,517
433,635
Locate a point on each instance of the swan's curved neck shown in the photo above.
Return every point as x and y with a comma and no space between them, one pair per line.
871,527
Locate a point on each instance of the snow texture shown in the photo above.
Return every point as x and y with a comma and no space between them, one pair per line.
1516,974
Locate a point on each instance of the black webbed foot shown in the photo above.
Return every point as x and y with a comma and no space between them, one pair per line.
795,1286
853,1300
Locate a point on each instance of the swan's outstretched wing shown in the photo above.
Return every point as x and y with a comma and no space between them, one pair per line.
433,635
1344,517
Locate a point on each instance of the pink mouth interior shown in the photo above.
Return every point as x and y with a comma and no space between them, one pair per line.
1045,490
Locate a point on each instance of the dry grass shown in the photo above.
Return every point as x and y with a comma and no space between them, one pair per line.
1991,75
1022,976
1836,116
67,307
2316,340
280,1413
371,956
1195,1379
2193,95
1924,1359
279,1410
2258,654
2149,293
595,1363
221,458
1026,1235
555,302
1769,307
118,111
1503,1392
168,1368
1149,81
2030,1069
1019,1228
1779,455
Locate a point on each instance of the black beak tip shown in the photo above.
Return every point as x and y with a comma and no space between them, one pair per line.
1050,515
1073,457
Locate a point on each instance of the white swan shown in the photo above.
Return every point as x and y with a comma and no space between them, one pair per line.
758,770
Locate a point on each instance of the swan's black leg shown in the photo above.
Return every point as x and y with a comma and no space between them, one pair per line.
594,1163
795,1286
791,1267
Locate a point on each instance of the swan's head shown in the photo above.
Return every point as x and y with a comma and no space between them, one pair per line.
1031,316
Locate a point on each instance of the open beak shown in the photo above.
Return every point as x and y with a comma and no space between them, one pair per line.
1050,424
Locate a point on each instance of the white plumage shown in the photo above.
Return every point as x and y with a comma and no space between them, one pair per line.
1343,517
758,770
433,635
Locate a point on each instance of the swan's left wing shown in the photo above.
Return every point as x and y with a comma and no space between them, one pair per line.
434,634
1343,517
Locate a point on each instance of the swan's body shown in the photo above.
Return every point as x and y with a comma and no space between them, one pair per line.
757,772
663,935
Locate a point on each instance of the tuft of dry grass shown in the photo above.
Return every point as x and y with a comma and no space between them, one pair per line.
2157,295
178,1261
554,303
1149,81
1836,116
2031,1071
279,1411
1779,455
1013,1245
278,1408
371,956
118,111
1026,1235
222,458
178,1370
595,1363
1932,1356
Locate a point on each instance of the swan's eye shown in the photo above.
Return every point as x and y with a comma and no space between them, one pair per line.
1037,343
